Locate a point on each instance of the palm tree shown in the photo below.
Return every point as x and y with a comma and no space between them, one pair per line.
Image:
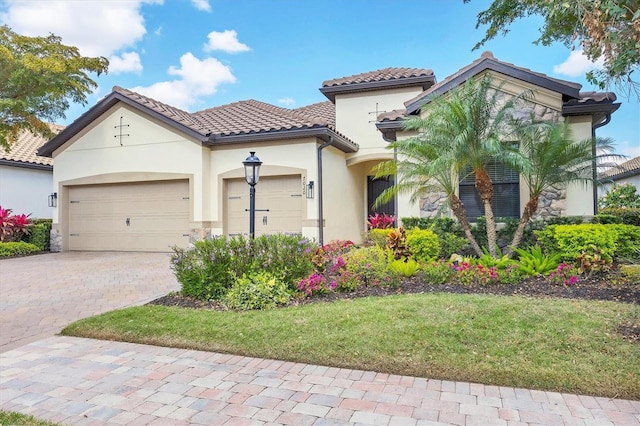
466,129
424,166
555,159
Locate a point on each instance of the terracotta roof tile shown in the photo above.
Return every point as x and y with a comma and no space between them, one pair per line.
24,149
326,110
626,167
175,114
396,114
385,74
253,116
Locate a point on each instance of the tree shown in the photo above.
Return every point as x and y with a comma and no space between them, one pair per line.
608,29
38,78
463,131
555,159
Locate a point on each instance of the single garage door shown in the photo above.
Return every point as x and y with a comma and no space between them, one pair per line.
280,195
145,216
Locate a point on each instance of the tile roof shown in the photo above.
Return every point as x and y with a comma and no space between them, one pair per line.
23,151
251,116
626,168
488,61
326,110
385,74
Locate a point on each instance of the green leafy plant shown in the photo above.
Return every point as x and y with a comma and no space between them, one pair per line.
257,290
450,243
627,242
592,261
423,244
438,272
572,241
40,234
620,196
532,261
366,266
501,261
397,242
628,216
404,267
379,236
17,248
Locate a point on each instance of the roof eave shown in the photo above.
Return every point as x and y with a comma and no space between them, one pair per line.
492,65
425,81
26,165
616,177
590,108
323,133
100,108
389,129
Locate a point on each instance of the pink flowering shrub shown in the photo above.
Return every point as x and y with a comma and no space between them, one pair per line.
381,221
13,226
469,273
564,274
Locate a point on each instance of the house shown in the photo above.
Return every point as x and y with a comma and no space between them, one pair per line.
26,179
627,172
135,174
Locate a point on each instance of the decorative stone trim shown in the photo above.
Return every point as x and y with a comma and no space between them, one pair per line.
55,240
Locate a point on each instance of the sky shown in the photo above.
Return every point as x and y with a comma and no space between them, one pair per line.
197,54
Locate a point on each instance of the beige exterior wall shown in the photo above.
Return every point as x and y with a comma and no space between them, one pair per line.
579,195
151,151
26,191
356,117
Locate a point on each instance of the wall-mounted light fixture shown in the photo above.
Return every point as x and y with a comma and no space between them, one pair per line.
53,199
310,189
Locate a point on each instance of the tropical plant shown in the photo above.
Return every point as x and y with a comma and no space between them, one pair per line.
460,132
257,290
381,221
533,261
404,267
500,261
554,159
620,196
13,226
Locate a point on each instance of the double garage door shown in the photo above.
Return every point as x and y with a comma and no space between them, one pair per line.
145,216
278,205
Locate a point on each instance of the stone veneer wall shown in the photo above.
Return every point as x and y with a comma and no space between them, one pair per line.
55,241
433,204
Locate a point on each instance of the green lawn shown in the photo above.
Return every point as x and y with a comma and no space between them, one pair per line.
547,344
11,418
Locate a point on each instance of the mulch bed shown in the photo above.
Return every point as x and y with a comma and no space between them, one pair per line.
595,287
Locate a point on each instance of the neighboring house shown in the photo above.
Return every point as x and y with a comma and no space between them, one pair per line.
135,174
627,172
26,179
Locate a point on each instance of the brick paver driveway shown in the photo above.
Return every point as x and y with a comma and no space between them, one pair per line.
40,295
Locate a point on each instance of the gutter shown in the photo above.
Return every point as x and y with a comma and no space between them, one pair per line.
594,166
320,207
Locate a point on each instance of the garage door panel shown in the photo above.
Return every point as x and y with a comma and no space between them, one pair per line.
281,195
149,216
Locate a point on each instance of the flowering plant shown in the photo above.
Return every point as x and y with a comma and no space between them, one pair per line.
620,196
13,226
381,221
564,274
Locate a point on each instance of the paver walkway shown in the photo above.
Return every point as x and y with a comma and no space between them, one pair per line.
91,382
42,294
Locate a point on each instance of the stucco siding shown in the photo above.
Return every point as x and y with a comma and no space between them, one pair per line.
26,191
580,195
147,148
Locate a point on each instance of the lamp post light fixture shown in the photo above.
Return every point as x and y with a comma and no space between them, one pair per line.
252,176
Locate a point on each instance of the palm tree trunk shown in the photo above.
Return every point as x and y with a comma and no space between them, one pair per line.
529,210
485,189
459,212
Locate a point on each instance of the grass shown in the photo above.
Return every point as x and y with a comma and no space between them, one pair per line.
547,344
11,418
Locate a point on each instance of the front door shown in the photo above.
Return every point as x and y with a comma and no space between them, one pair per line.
374,189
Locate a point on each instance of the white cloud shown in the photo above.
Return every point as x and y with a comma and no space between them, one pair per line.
287,101
577,64
201,5
628,149
227,41
127,62
197,78
97,28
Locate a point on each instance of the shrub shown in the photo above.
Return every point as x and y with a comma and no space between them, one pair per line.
423,244
397,243
209,269
13,226
437,272
17,248
40,234
257,290
404,267
627,242
620,196
571,241
450,234
628,216
533,261
381,221
315,284
365,266
488,261
450,243
606,219
471,273
325,255
564,274
379,236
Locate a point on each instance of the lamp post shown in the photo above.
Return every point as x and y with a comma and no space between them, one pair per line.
252,176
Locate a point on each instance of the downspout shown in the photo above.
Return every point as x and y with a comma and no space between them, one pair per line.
320,209
594,166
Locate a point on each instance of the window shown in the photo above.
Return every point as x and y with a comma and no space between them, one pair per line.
506,192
